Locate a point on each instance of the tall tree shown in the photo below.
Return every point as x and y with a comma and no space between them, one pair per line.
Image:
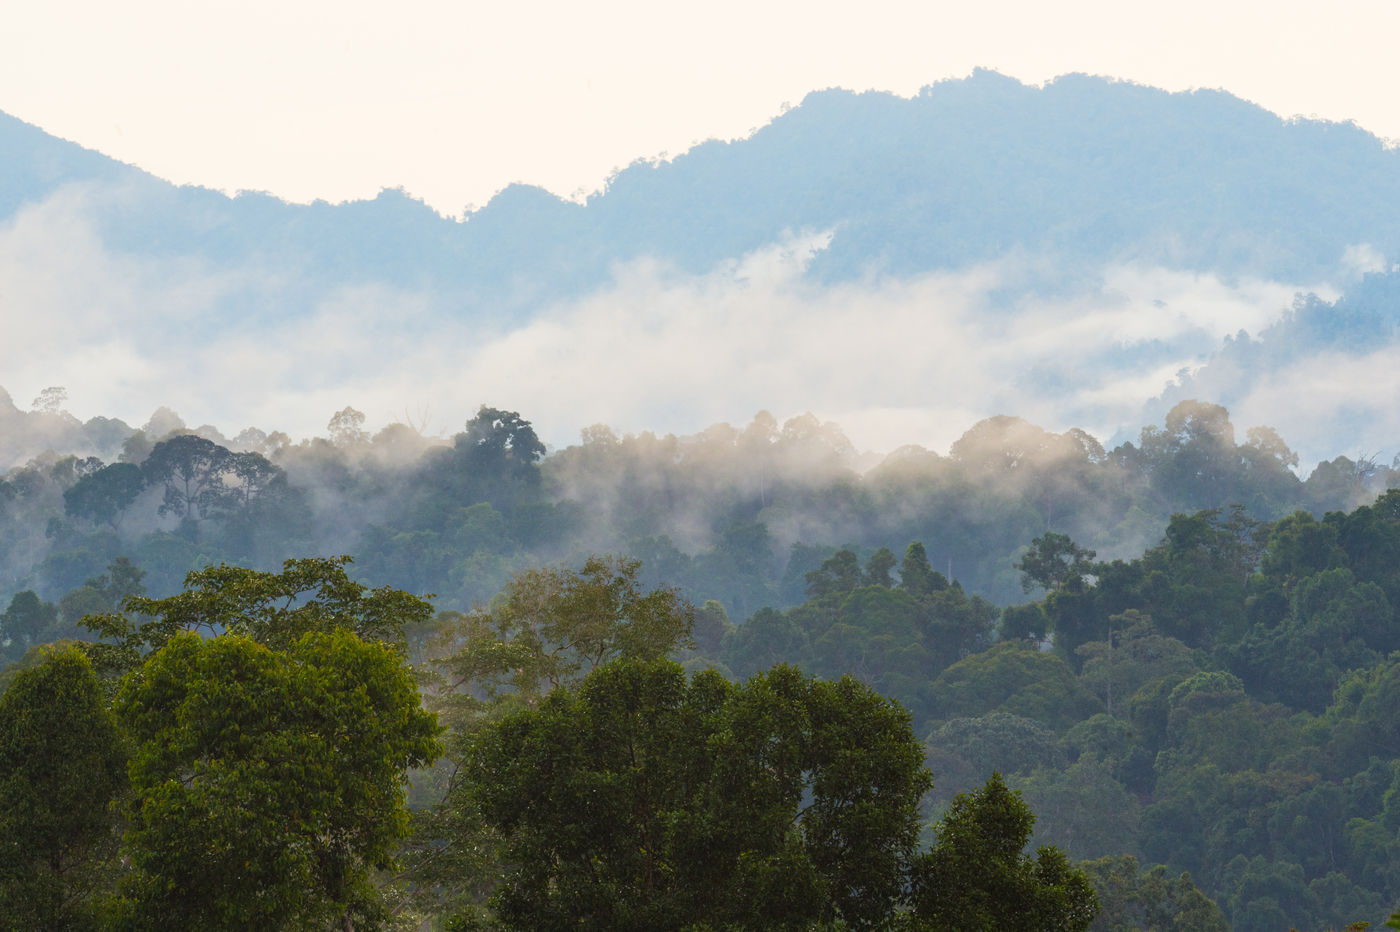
312,594
267,785
649,799
552,626
26,621
192,470
978,878
1053,559
61,766
104,495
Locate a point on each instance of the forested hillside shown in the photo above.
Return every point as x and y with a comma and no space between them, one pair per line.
1177,652
735,515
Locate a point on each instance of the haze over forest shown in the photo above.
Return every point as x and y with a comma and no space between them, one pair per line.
1014,453
1085,253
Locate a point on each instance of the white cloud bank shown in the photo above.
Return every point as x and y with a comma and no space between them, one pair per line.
893,362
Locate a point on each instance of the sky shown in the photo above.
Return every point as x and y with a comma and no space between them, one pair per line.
311,99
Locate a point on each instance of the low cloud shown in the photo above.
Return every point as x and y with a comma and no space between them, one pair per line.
893,362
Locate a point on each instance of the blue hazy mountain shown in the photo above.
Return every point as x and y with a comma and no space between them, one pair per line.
1084,170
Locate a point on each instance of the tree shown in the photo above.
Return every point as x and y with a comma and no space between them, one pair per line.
191,468
977,876
877,568
648,799
103,496
1134,898
248,477
549,627
1193,461
267,784
838,575
1051,561
50,400
61,765
26,620
310,595
347,428
916,576
1015,677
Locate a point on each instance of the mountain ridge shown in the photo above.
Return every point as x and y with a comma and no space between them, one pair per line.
1087,169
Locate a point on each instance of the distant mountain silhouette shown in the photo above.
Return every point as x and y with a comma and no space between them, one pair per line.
1084,171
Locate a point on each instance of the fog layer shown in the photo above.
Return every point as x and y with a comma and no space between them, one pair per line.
894,360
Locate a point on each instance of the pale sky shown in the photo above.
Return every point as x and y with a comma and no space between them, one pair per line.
452,101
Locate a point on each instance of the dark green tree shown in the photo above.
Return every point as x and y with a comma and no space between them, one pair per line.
978,878
1051,561
267,784
916,576
549,628
103,496
877,568
838,574
61,766
1134,898
552,626
191,469
312,594
26,621
648,799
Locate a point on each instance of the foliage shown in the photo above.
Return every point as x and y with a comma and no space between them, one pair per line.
274,609
551,626
266,784
1135,899
649,799
977,877
548,628
1051,561
1013,677
1218,686
61,765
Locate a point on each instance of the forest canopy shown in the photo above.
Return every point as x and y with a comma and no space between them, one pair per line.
1167,663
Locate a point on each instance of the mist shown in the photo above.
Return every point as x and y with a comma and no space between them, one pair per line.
893,360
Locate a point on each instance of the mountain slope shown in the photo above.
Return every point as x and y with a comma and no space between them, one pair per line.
1085,169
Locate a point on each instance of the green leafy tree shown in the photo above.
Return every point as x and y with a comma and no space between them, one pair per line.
1023,622
978,878
1132,654
877,568
548,628
1051,561
26,621
61,765
275,609
647,799
916,576
191,469
495,459
552,626
103,496
267,784
1135,899
1083,807
1015,677
964,752
838,575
